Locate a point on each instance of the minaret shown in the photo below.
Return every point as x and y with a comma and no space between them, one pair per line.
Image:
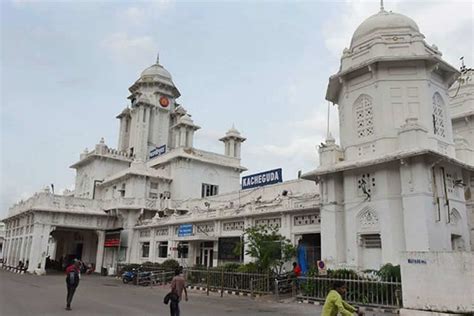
233,142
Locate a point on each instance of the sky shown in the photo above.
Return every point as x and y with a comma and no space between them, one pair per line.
263,66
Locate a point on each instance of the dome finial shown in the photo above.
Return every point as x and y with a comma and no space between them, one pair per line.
381,6
158,58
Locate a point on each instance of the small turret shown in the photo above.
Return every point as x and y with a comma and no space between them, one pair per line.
233,141
184,131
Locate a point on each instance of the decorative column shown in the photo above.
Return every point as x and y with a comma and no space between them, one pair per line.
99,259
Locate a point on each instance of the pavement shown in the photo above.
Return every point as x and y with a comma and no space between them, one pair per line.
22,295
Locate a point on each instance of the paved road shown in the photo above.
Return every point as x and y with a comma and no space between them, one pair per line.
22,295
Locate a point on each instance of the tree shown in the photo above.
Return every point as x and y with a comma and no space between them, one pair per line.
270,249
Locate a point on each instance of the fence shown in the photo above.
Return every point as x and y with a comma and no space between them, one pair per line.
368,292
253,283
154,277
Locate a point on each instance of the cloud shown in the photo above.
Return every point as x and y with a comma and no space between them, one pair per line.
448,24
143,15
123,47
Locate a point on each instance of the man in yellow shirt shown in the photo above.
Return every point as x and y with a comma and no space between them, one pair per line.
334,305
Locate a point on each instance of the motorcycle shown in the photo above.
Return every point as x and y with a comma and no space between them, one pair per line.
138,276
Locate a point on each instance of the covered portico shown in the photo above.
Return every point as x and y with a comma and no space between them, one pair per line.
67,244
60,228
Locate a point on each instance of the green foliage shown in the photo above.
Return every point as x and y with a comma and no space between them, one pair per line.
270,249
170,265
389,271
343,274
250,267
229,267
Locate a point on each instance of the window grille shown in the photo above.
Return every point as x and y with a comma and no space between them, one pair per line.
161,231
271,222
366,184
302,220
145,233
364,116
438,115
232,226
371,241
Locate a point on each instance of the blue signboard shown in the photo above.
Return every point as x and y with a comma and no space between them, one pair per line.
185,230
157,151
261,179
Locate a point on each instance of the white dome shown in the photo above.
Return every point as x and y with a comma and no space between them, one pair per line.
156,70
383,22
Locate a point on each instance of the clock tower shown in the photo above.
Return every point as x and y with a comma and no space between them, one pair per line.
145,124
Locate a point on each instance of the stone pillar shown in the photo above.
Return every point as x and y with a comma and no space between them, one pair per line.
333,236
100,250
182,138
121,142
248,222
37,256
152,254
237,149
11,251
231,148
190,138
6,253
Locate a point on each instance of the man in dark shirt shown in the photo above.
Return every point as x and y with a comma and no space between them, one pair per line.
178,285
72,281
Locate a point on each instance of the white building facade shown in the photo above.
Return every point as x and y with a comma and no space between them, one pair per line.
400,180
129,203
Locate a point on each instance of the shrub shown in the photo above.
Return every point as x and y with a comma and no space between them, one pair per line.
230,267
170,265
389,271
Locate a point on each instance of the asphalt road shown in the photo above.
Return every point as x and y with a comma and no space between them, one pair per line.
45,295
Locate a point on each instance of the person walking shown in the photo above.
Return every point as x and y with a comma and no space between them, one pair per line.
178,286
335,305
72,281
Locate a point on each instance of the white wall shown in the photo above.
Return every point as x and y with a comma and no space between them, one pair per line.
438,281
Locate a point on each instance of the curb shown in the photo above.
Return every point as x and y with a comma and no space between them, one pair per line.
230,292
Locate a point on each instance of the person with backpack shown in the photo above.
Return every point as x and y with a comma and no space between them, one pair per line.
72,281
178,286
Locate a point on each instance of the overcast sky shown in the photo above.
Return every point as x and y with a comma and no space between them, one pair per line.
262,65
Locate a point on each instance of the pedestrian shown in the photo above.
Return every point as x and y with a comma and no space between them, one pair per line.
178,285
296,269
296,275
335,305
72,281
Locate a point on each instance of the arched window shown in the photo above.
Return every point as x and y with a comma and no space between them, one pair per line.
438,115
364,116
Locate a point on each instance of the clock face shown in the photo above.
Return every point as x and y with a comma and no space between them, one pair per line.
164,102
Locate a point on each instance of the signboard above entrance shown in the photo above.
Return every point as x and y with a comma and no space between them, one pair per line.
112,239
185,230
262,178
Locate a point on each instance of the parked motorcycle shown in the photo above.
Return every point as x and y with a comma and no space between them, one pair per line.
144,277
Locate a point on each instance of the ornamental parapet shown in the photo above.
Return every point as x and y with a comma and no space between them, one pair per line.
203,210
45,201
134,203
